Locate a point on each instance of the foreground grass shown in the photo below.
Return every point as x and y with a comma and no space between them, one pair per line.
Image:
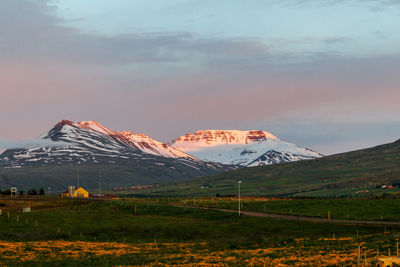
74,233
327,252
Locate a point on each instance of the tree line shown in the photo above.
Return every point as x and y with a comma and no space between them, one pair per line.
30,192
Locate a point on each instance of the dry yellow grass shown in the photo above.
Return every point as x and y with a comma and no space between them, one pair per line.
174,254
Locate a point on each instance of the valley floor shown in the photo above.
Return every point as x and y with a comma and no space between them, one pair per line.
133,232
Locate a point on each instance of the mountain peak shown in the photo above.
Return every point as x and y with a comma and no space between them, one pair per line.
95,126
62,123
86,125
129,134
208,138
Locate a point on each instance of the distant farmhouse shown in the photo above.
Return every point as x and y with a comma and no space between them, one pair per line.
82,193
75,193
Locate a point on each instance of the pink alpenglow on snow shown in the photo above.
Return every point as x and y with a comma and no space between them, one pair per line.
137,141
210,138
246,148
95,126
151,146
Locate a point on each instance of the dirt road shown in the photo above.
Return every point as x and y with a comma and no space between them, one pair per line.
296,217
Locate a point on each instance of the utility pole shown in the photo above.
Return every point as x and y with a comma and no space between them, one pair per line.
78,175
98,173
239,195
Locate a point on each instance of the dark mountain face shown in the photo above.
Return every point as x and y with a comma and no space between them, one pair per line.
276,157
127,159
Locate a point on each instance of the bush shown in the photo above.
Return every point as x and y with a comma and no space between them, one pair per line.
32,192
6,192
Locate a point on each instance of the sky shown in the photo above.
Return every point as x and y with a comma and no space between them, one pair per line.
323,74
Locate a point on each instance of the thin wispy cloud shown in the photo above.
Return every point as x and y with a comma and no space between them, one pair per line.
12,144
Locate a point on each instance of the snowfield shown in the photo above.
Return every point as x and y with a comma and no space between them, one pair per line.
246,148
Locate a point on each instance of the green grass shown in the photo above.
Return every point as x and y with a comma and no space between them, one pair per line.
341,175
116,221
358,209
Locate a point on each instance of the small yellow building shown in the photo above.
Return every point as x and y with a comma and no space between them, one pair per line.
75,193
81,193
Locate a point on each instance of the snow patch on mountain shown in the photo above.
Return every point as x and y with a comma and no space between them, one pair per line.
211,138
152,146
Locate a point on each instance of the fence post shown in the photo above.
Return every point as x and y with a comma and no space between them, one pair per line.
365,258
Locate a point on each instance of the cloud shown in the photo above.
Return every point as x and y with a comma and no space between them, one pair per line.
336,40
11,144
38,34
167,83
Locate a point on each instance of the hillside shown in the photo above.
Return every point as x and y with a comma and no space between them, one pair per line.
336,175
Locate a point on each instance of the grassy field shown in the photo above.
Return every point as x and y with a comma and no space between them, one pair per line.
107,233
343,175
371,209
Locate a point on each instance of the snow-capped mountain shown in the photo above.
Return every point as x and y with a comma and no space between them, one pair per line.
246,148
84,141
127,156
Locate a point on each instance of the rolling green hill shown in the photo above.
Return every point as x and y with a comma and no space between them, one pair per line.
130,173
338,175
